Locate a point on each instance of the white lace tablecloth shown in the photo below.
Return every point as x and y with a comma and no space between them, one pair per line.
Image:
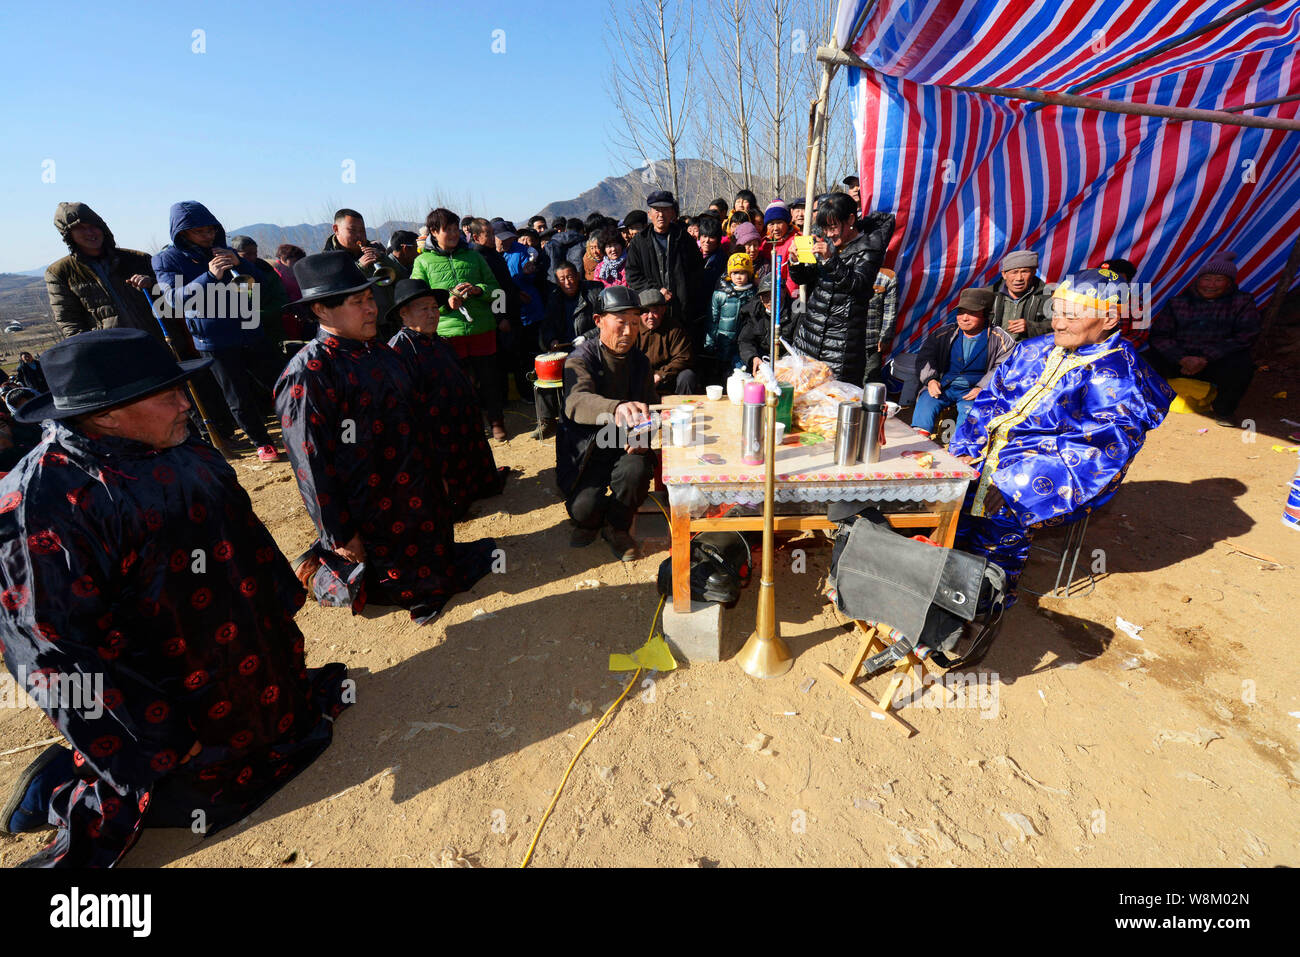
936,491
804,472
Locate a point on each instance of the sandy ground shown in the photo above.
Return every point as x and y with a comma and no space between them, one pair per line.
1083,747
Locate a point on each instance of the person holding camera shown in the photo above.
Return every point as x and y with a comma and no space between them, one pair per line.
837,326
198,259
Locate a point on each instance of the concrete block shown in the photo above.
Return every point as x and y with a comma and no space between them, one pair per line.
695,635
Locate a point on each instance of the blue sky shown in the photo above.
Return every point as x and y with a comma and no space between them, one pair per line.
258,126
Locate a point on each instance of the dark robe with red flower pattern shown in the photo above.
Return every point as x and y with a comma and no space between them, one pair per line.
147,570
357,436
455,422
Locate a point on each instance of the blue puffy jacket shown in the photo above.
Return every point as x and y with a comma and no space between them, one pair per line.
225,329
517,258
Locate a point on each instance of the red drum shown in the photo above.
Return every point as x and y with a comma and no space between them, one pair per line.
550,368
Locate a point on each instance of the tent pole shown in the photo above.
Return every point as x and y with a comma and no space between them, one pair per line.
1262,103
817,134
1173,42
1139,109
840,57
1274,310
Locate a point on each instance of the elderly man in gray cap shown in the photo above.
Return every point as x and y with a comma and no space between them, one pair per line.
601,458
1022,305
668,347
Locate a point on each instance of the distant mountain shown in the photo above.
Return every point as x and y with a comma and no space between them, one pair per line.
699,183
309,237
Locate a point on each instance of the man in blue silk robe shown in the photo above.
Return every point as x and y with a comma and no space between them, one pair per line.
1058,426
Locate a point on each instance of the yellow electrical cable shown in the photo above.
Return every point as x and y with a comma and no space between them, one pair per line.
599,724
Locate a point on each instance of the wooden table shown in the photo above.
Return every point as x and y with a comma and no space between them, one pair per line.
804,473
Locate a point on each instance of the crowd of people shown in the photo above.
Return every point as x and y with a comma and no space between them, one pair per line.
129,551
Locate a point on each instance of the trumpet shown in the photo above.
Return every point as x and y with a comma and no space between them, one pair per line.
241,279
383,275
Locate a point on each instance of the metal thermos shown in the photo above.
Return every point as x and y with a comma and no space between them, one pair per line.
848,434
751,424
873,405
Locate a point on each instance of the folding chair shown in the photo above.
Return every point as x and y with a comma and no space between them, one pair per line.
1069,554
877,637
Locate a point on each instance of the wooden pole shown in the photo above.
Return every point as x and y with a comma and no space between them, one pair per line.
1274,309
1262,103
1173,42
1181,113
832,56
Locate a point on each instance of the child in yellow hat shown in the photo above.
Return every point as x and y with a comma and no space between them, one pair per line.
721,353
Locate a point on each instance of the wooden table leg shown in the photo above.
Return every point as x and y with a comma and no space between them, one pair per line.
946,532
680,526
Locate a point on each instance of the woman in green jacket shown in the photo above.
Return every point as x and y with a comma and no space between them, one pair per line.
468,322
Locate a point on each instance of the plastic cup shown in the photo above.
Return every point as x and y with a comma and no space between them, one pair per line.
714,392
780,432
683,427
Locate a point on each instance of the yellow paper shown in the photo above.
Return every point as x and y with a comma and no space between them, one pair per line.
1193,395
653,656
1286,448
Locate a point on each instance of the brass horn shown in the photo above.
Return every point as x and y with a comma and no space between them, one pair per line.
384,275
765,655
244,281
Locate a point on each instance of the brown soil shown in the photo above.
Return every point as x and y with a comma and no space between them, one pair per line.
1177,750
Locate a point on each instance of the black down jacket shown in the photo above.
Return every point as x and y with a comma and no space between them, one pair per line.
836,326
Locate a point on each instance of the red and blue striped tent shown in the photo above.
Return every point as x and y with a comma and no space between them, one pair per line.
972,176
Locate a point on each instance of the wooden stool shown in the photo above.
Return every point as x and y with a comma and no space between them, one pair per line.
876,638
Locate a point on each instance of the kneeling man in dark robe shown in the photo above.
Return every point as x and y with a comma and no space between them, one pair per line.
148,612
367,469
604,467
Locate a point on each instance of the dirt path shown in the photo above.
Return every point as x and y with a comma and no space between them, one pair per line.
1086,747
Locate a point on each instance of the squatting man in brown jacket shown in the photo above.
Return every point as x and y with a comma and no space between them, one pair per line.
602,466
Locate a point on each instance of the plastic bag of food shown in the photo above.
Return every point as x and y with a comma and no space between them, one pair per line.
818,409
801,372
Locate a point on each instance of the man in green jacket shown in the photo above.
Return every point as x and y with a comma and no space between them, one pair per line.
475,305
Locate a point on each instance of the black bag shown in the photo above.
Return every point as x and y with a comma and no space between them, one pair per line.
720,567
928,593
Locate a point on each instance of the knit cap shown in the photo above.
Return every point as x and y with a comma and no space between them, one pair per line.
746,233
1020,259
777,209
1224,263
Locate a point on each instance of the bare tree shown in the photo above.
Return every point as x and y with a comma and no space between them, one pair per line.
736,54
775,92
652,83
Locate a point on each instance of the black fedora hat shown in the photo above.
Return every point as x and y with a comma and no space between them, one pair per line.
328,274
409,290
102,368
